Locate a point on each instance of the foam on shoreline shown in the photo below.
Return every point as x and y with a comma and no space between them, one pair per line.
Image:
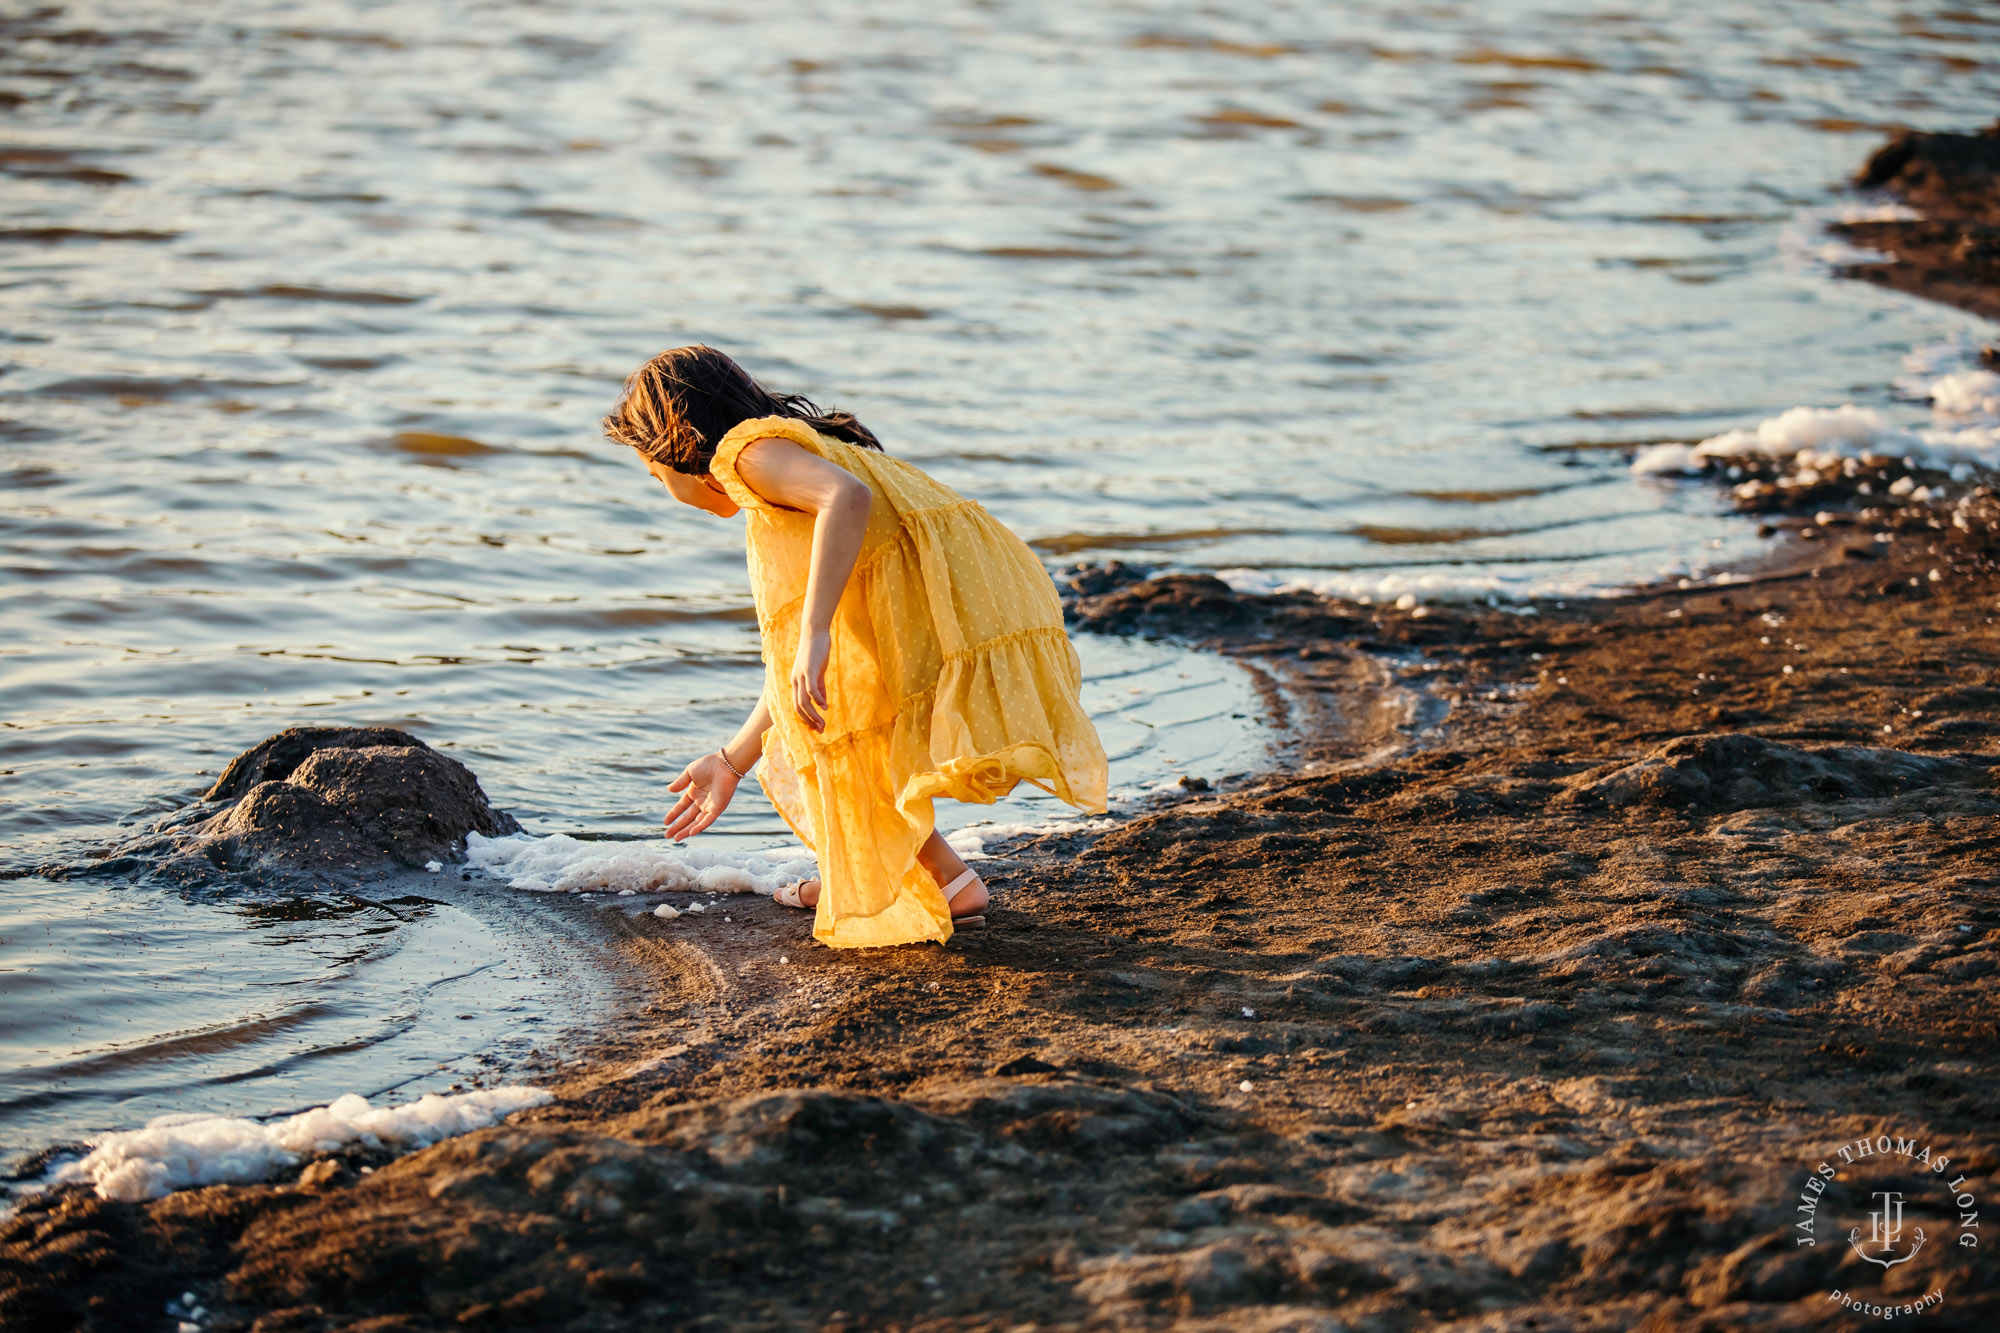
562,864
970,843
176,1152
1964,433
1505,586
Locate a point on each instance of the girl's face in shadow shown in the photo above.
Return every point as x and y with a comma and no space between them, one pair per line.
701,491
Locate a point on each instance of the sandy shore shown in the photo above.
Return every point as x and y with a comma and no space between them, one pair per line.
1529,996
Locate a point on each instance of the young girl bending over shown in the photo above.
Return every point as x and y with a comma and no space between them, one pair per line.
913,648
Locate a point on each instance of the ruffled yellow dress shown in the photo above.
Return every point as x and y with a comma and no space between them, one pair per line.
950,675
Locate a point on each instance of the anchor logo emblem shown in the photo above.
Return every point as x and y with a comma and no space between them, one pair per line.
1885,1231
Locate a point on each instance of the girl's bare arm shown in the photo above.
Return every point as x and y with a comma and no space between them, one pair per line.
839,501
746,747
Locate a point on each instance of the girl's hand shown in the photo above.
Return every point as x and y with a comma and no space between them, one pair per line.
706,787
809,677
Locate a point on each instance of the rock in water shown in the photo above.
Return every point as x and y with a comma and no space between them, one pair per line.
277,758
1169,603
320,801
1950,253
1938,173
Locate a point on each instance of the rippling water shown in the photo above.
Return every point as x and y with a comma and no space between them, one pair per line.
121,1005
308,312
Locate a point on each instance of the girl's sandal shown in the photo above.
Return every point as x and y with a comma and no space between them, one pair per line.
788,896
953,889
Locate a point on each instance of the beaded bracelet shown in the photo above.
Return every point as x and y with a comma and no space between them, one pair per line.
723,755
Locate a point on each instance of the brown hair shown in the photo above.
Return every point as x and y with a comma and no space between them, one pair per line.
677,407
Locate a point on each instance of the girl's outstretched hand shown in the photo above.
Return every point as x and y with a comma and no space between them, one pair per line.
809,677
706,787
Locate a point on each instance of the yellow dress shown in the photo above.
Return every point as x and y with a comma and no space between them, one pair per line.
950,675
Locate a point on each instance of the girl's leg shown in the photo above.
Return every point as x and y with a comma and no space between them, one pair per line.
942,864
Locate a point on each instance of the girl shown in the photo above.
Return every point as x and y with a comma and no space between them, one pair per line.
913,648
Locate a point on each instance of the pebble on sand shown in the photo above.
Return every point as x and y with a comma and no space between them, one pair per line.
1246,1086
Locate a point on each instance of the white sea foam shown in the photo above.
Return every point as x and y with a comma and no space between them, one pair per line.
1967,393
1502,587
180,1151
970,843
1964,432
1661,460
562,864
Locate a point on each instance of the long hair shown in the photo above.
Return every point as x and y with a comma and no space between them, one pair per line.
677,407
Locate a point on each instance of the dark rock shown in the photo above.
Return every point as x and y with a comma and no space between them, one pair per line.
1171,603
1934,170
1116,598
1952,253
407,800
277,758
1735,772
1094,580
278,818
314,802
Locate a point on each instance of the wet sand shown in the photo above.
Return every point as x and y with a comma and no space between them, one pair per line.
1562,950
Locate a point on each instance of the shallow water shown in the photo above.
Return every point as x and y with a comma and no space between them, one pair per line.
123,1005
308,312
